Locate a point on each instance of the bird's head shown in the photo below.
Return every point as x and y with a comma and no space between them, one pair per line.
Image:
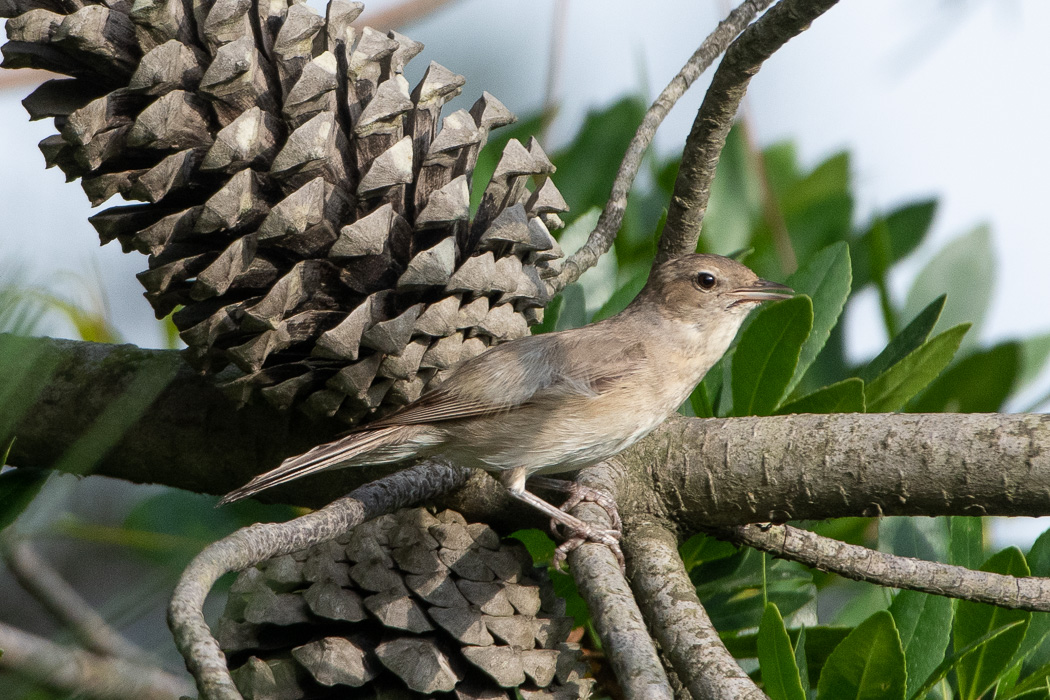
703,289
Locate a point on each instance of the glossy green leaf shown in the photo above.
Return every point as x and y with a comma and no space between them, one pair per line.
965,270
978,383
868,664
924,624
776,658
958,657
896,386
978,672
889,239
908,340
736,197
825,279
846,396
921,538
819,643
767,354
702,548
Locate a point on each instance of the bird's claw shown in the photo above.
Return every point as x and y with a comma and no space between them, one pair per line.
609,538
578,493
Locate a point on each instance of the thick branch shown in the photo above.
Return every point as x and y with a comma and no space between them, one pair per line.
685,632
601,238
703,146
82,673
863,564
704,472
64,603
613,607
256,543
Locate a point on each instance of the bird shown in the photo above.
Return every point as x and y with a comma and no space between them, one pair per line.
562,401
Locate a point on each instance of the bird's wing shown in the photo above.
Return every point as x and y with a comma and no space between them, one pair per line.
517,374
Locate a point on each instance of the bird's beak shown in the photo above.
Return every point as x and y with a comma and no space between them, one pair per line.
760,290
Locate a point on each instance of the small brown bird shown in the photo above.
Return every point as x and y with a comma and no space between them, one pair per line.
562,401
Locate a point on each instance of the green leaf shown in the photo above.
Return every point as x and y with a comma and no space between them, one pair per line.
622,296
736,197
979,383
776,658
1035,649
924,623
965,541
956,658
1034,354
731,588
978,672
767,354
897,385
599,283
846,396
909,339
817,646
965,270
550,316
868,664
702,548
889,239
802,662
18,488
572,313
825,279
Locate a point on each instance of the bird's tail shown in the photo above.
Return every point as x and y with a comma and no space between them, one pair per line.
378,446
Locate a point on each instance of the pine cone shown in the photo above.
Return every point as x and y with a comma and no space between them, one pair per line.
305,219
409,605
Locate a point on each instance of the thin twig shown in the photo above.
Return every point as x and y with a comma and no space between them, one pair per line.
64,603
81,673
601,238
687,637
863,564
613,607
703,146
251,545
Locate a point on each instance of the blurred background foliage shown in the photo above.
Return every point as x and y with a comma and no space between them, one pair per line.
803,633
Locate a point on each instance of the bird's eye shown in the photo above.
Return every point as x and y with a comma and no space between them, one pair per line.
705,280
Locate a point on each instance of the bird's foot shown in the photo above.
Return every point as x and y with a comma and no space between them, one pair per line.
578,493
578,536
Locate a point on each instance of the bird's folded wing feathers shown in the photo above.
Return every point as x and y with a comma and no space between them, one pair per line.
490,384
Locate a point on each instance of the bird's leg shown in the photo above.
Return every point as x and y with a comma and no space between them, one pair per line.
578,531
578,493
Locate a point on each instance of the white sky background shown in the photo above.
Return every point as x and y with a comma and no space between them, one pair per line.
932,97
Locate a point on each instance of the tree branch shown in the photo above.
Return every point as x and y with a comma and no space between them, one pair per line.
863,564
82,673
699,472
601,238
686,635
256,543
703,147
64,603
612,605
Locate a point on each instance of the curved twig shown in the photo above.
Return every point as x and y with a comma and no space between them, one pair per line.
82,673
704,144
890,570
256,543
613,607
63,602
685,632
601,238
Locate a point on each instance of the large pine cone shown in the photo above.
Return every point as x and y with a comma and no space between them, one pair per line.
406,606
305,219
